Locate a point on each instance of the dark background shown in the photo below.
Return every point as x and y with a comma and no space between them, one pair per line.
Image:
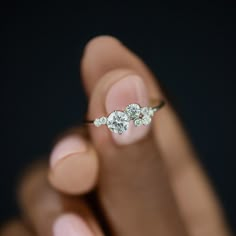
190,48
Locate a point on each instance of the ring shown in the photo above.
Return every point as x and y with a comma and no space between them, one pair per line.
118,121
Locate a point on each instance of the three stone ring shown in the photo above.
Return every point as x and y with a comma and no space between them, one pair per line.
118,121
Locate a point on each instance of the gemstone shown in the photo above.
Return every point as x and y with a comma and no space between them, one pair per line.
151,112
97,122
133,111
138,122
146,120
103,120
147,111
118,122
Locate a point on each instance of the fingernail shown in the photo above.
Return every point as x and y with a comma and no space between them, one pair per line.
67,146
71,225
128,90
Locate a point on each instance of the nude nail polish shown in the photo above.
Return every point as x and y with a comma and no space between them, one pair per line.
128,90
67,146
71,225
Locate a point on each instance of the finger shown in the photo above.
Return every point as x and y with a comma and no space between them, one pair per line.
15,228
196,200
73,163
105,53
128,162
50,213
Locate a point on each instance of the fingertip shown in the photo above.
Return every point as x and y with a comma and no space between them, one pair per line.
99,45
99,54
67,146
99,42
71,225
106,53
74,165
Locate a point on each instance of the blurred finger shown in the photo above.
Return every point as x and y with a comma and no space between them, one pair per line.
73,164
15,228
51,213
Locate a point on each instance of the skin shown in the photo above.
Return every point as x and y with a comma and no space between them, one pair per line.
165,193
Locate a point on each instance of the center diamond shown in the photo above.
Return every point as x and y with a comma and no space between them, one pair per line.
118,122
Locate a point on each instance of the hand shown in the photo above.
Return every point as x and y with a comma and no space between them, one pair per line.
144,182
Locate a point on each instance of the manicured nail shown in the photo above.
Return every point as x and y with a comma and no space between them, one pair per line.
71,225
128,90
67,146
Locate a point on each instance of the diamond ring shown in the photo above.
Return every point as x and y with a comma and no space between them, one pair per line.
118,121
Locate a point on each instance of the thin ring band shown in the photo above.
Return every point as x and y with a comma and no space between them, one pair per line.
158,107
118,121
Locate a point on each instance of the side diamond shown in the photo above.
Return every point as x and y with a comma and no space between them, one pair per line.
133,111
151,112
138,122
103,120
147,111
146,120
97,122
